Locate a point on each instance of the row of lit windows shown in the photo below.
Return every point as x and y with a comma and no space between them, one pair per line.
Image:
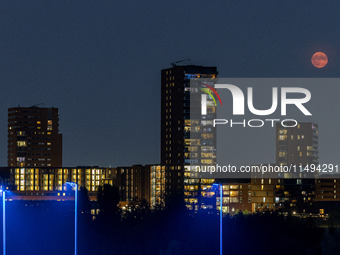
96,178
60,171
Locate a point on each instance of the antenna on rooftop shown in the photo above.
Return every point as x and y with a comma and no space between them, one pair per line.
36,105
179,61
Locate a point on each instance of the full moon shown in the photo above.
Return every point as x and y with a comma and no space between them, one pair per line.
319,59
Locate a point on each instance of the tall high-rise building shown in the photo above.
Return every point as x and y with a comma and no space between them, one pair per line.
297,146
33,137
178,147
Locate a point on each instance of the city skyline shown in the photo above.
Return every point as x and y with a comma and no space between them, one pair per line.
321,102
170,127
81,60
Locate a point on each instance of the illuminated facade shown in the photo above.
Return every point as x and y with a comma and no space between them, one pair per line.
296,146
262,194
142,182
327,188
182,141
157,184
235,198
327,193
33,137
51,181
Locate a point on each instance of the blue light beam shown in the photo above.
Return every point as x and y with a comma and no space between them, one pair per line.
3,222
221,215
75,186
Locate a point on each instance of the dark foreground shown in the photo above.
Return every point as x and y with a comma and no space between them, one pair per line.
48,228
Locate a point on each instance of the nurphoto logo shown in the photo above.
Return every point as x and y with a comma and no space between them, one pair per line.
238,104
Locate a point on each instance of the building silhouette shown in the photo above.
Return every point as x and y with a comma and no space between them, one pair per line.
141,183
33,137
179,147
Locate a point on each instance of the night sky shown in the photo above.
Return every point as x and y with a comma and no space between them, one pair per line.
99,61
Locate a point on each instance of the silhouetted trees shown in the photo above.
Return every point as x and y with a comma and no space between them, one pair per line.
48,227
84,205
138,209
330,243
108,204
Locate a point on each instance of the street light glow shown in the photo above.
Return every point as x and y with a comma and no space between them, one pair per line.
72,184
3,221
221,212
75,186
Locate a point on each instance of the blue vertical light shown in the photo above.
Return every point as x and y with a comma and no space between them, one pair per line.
75,186
221,215
76,220
3,223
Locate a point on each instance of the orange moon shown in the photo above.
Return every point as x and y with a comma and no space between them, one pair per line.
319,59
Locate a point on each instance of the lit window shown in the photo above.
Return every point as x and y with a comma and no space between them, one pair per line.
282,131
282,137
21,143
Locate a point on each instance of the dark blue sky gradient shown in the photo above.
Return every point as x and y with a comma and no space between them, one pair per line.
99,61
